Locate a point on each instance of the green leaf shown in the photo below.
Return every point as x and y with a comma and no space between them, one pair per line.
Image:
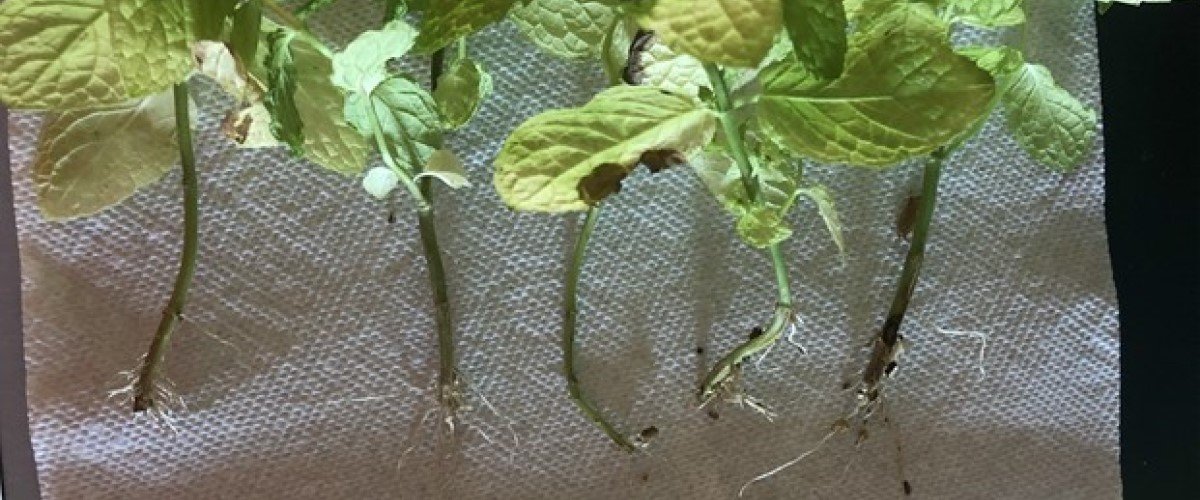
992,13
573,29
247,23
83,53
866,9
904,93
821,196
329,140
407,116
280,100
461,90
1051,124
735,33
88,160
817,28
761,227
448,20
544,162
446,167
363,64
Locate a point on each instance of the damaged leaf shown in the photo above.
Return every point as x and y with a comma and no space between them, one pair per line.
542,163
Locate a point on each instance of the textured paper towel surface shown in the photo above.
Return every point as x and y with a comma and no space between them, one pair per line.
305,360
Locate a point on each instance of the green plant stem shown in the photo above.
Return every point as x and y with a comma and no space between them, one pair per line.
733,137
783,315
461,47
145,387
883,351
570,322
447,374
448,384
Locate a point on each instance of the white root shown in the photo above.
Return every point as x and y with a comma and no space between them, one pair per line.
983,339
837,428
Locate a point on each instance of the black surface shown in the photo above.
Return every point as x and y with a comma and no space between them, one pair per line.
1150,59
18,480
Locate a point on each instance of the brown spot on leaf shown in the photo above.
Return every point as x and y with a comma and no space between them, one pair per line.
602,183
658,160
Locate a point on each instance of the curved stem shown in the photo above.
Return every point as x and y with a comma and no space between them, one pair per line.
782,319
570,320
884,350
146,385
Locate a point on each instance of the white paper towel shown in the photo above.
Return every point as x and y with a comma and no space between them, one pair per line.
307,354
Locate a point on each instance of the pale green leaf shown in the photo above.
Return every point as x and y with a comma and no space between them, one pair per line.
817,29
448,20
446,167
1051,124
573,29
380,182
407,117
545,160
717,171
82,53
828,211
761,227
460,91
88,160
987,12
735,33
328,139
363,64
904,93
677,73
151,43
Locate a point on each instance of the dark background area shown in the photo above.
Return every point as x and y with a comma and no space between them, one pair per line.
1149,62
